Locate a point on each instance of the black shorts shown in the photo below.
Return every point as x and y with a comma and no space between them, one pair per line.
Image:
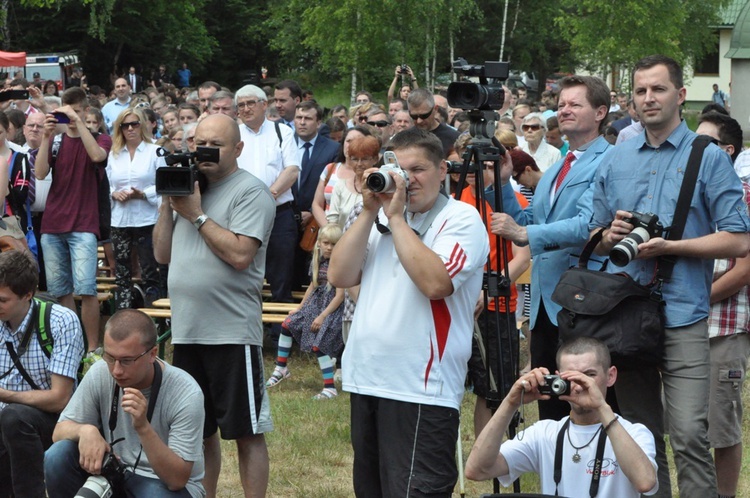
403,449
503,359
235,399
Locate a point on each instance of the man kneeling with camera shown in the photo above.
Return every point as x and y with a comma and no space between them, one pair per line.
593,452
134,427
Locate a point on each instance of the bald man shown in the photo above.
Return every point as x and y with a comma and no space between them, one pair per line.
216,246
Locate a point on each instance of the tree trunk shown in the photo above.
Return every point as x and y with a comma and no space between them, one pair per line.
4,29
502,33
354,86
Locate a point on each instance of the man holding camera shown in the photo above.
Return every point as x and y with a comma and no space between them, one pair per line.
136,407
645,174
35,383
419,257
591,450
217,245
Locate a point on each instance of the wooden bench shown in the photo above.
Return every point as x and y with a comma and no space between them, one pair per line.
268,307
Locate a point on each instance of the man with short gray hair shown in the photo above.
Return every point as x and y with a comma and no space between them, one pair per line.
222,102
271,155
423,111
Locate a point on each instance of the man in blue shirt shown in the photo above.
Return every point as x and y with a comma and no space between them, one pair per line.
645,174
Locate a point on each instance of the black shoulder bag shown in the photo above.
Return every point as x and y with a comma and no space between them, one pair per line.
626,316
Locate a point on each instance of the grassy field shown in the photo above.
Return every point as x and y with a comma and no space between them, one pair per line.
310,451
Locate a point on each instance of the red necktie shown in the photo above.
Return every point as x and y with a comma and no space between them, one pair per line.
569,158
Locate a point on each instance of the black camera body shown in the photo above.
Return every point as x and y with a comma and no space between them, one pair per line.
109,483
483,96
555,386
179,176
404,69
648,221
646,226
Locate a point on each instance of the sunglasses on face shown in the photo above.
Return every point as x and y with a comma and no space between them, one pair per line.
379,124
531,127
422,116
131,124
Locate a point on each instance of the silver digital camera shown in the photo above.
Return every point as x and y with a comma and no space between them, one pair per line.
381,182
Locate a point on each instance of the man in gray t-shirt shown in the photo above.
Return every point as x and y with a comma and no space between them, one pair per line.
215,242
147,413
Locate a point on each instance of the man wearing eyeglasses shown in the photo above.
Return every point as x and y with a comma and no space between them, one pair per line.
270,153
555,226
423,111
137,407
35,384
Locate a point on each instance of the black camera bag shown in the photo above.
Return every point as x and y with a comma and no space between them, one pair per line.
612,307
626,316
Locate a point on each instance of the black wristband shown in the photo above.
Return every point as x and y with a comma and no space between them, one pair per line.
606,427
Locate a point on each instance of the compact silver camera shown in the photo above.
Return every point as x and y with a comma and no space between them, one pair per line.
555,386
381,182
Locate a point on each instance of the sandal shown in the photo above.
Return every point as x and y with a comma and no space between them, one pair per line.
277,376
326,393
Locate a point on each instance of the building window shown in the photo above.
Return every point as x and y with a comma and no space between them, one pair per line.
708,65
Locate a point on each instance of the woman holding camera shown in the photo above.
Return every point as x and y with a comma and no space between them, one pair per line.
131,170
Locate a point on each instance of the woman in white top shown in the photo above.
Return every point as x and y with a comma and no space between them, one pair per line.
343,170
131,170
363,154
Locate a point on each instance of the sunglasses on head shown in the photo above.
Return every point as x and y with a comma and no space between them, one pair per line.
531,127
379,124
422,116
131,124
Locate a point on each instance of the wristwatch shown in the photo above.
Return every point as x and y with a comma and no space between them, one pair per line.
199,221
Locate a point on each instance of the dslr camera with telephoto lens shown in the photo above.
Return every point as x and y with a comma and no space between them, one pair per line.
109,483
647,226
555,386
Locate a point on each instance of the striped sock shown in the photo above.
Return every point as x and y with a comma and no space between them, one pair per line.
285,347
326,366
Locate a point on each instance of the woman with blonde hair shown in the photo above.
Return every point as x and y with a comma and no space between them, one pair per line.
131,170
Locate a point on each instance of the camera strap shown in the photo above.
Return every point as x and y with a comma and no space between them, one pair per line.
596,471
155,387
666,263
22,348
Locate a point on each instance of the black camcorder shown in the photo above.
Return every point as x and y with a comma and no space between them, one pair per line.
178,177
483,96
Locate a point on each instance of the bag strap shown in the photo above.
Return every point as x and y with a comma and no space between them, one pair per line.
329,173
666,263
588,249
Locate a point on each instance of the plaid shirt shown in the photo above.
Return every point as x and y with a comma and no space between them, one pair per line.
730,316
66,352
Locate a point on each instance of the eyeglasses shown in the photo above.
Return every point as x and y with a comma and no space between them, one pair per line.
142,105
247,104
132,124
362,119
124,362
379,124
531,127
34,126
422,116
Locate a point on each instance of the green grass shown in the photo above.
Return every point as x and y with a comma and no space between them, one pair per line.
310,450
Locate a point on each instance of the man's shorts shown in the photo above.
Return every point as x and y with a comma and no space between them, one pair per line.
403,449
728,369
70,263
235,399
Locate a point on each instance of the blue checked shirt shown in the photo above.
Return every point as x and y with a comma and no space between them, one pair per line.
66,355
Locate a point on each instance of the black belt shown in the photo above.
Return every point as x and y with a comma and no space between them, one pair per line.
284,207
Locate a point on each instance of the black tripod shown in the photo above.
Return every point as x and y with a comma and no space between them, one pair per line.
499,340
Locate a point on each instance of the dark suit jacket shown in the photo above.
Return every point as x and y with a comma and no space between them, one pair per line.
138,82
324,152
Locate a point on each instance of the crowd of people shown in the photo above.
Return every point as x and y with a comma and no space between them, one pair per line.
273,165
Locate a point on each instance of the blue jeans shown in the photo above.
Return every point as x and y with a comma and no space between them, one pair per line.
70,263
65,477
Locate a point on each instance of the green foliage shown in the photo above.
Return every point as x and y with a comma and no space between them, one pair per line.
608,34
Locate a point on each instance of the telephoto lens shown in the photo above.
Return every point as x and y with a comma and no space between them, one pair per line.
627,249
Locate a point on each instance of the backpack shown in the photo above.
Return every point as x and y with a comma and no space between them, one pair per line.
42,327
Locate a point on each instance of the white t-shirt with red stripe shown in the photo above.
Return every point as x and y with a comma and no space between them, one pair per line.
402,345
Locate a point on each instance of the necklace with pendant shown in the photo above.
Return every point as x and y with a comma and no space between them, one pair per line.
576,457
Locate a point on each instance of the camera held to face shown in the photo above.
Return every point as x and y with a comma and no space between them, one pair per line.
647,226
380,181
110,483
555,386
178,177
